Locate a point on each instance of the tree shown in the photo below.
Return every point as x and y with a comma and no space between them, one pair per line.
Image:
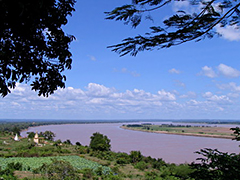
236,132
67,142
100,142
57,142
31,135
33,46
181,27
16,130
48,135
217,165
78,144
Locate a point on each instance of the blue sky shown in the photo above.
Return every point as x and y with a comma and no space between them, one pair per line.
190,81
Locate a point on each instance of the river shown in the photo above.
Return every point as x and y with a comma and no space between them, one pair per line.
171,148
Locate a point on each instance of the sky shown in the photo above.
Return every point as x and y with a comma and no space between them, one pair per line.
196,80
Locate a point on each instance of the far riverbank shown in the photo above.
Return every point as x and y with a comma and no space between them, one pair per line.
230,136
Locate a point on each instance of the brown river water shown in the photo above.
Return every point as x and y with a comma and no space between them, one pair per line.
171,148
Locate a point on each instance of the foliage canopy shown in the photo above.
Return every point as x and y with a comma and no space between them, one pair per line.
48,135
33,44
182,26
100,142
216,165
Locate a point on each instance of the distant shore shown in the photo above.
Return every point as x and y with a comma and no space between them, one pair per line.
182,134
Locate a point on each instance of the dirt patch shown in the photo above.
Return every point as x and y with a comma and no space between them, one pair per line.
26,174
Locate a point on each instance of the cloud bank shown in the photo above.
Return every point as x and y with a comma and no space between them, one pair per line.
221,69
97,101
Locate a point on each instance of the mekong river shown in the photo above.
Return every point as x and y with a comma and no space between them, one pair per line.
171,148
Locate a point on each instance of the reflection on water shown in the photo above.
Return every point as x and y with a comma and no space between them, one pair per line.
171,148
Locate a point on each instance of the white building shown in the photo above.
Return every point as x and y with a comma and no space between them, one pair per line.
16,138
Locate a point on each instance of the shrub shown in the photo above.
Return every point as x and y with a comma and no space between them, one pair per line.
122,160
59,169
141,165
87,173
182,171
135,156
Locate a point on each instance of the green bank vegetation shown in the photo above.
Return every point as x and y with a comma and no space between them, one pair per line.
53,159
206,131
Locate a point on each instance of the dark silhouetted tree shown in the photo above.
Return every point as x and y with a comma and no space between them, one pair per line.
78,144
217,165
194,24
33,46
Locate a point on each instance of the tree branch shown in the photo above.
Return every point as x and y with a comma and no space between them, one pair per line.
158,7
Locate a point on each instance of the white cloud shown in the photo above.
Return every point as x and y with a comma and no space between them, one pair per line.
223,69
174,71
228,71
231,33
208,71
182,5
231,85
234,87
189,94
126,71
207,95
179,83
94,99
194,102
98,90
93,58
233,95
163,95
99,101
223,99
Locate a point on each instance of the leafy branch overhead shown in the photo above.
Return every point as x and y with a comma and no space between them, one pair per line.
33,46
181,27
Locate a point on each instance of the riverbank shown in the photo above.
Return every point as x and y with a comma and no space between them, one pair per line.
181,133
171,148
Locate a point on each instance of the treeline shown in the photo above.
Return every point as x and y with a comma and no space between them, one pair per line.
134,125
179,125
162,125
204,121
16,126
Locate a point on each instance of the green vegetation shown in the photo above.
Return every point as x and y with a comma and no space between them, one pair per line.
216,165
208,131
99,142
62,160
33,163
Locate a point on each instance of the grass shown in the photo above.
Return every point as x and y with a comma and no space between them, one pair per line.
220,132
